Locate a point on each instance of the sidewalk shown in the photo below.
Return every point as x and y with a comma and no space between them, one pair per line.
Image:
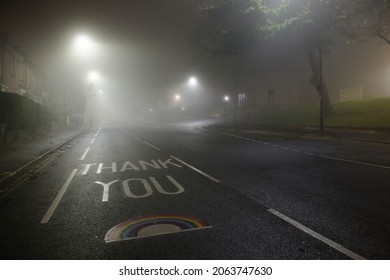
15,155
363,135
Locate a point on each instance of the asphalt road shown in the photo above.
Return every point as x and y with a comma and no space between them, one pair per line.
180,191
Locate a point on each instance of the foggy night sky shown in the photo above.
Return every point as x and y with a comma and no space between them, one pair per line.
145,45
146,48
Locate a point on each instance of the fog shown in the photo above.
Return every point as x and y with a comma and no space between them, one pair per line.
144,53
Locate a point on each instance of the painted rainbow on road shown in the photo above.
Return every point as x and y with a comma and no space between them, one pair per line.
153,225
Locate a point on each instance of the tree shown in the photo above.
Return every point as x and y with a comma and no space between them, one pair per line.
367,20
313,21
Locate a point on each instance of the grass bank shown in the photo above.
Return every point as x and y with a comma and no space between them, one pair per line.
370,113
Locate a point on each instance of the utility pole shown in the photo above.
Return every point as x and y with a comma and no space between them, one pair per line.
321,91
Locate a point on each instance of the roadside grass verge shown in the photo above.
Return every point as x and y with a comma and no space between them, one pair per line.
370,113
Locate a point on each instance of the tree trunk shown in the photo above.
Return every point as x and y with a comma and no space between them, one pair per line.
313,57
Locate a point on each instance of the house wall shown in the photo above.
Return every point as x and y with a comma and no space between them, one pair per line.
18,75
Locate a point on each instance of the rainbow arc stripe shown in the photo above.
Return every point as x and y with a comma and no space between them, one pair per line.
131,228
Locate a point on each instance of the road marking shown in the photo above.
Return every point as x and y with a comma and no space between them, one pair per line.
354,161
316,235
315,155
97,132
147,143
197,170
142,140
93,140
85,153
147,226
58,198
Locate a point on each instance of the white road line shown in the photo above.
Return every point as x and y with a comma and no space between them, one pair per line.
142,140
354,161
316,235
85,153
197,170
58,198
317,155
147,143
151,145
93,140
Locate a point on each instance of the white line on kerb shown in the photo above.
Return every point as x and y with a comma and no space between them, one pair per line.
197,170
318,236
57,200
85,153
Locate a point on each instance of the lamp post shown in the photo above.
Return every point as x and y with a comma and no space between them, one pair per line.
321,91
226,99
90,110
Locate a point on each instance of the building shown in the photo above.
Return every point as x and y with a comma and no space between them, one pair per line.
18,75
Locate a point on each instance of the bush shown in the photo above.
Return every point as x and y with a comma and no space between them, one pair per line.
20,112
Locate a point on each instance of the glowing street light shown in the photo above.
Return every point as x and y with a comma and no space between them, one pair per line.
192,81
84,46
93,76
226,99
177,97
83,43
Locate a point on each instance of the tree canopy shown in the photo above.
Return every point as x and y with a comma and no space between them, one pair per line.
312,22
353,18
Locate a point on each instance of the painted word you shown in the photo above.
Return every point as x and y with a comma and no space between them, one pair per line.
129,186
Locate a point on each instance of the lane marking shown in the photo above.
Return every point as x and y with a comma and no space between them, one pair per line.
93,140
97,132
354,161
142,140
197,170
316,235
311,154
151,145
85,153
58,198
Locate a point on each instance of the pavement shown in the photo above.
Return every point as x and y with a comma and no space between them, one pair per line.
18,154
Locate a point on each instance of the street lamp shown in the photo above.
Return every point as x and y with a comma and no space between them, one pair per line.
192,81
84,46
226,99
93,76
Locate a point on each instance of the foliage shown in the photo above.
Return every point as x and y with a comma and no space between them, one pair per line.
311,19
19,112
